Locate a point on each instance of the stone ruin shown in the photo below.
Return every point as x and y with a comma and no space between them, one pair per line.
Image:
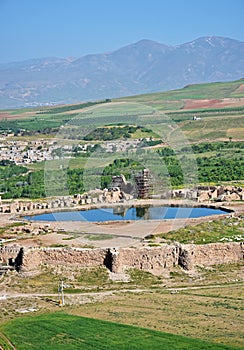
220,193
11,258
143,183
111,195
121,190
156,260
210,193
121,183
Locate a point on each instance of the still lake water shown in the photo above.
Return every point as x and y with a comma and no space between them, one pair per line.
133,213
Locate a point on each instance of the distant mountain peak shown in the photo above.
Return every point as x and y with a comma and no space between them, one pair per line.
143,43
212,41
140,67
148,42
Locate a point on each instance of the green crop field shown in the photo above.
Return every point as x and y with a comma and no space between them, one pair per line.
198,91
56,331
162,112
157,115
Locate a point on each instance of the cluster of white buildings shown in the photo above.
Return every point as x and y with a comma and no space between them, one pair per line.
27,152
23,152
120,146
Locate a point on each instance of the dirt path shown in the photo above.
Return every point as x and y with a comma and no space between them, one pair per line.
10,295
88,294
6,341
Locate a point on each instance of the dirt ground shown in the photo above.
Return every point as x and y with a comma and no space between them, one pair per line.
207,103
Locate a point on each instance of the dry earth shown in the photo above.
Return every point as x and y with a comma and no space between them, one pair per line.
208,103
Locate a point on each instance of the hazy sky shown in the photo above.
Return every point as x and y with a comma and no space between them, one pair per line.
73,28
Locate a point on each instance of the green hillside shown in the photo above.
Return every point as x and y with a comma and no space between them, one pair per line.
170,115
63,331
216,90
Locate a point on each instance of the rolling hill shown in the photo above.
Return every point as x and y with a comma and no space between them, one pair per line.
142,67
220,107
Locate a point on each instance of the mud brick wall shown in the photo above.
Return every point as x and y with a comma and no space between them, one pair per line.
152,259
63,256
192,255
8,252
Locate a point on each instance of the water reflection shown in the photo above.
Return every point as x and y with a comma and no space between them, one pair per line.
128,213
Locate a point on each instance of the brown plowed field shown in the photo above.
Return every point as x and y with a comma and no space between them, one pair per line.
8,116
226,102
240,89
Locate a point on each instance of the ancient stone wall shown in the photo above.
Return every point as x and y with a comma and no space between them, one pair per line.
211,193
63,256
192,255
8,252
152,259
112,195
187,256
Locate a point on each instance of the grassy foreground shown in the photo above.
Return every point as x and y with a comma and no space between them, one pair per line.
63,331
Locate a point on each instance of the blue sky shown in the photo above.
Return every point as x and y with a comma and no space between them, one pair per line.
73,28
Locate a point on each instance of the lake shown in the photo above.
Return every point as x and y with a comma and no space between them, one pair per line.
119,213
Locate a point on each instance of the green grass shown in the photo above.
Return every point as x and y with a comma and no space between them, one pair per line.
98,114
94,276
143,278
226,230
56,331
68,108
197,91
97,237
213,128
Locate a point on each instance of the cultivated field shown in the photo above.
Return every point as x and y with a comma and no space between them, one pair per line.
59,330
169,311
219,105
207,305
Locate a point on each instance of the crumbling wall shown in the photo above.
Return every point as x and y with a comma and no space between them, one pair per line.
63,256
152,259
211,193
158,259
7,253
191,255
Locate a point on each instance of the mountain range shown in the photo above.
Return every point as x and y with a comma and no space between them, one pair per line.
142,67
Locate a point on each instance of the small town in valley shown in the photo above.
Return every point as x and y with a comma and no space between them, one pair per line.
121,175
